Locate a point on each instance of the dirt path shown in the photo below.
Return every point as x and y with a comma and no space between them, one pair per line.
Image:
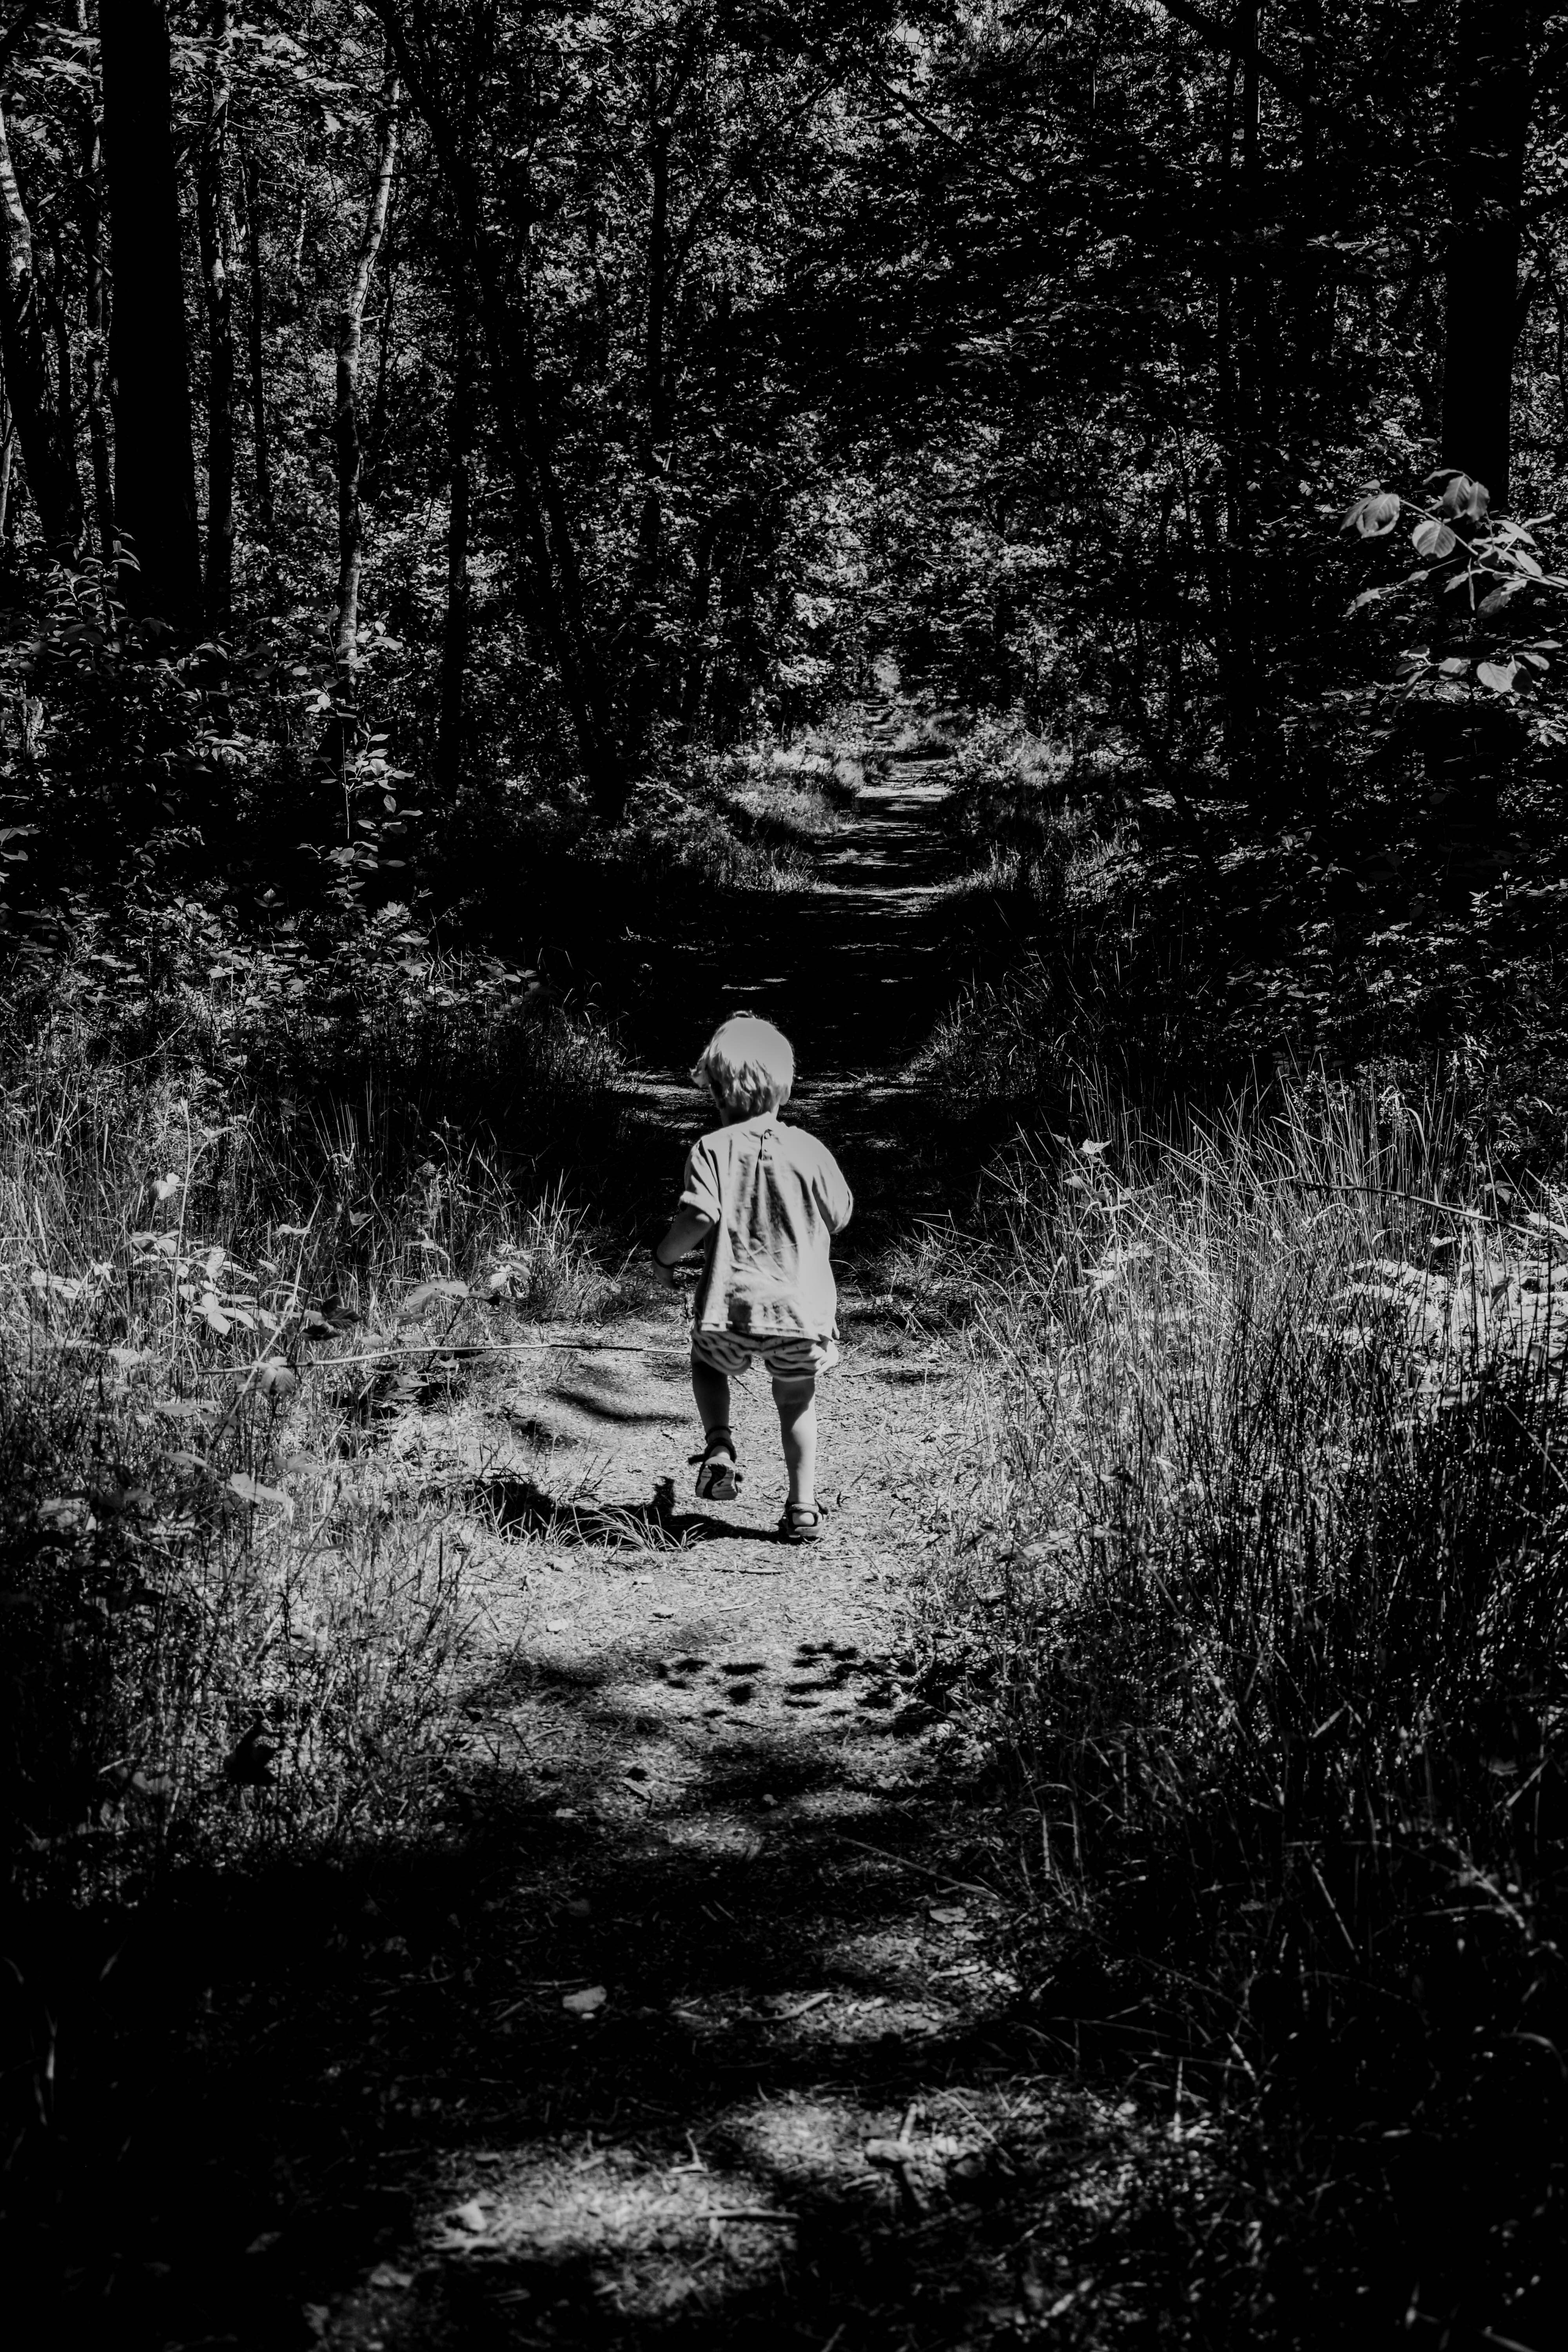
852,969
696,2022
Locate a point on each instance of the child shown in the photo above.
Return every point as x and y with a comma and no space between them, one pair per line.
766,1200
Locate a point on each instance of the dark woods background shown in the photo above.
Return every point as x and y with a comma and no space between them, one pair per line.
434,432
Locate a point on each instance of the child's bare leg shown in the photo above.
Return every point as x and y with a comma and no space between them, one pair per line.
796,1401
711,1391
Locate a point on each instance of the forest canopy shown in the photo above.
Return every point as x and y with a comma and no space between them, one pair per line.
431,428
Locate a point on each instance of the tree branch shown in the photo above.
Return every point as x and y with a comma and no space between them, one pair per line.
1232,43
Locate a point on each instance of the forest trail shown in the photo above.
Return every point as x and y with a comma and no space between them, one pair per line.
696,2023
852,969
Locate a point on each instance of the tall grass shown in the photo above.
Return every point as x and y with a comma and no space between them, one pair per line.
1266,1594
229,1617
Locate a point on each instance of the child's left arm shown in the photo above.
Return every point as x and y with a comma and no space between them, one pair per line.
837,1201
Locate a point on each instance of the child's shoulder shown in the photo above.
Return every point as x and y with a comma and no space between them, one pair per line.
803,1145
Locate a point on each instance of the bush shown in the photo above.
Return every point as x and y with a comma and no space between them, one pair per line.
1264,1594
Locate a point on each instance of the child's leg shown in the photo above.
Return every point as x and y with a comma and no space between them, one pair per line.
796,1397
711,1391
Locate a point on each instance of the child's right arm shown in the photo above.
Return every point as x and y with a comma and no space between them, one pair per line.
688,1229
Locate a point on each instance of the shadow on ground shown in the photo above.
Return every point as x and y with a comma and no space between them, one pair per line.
346,2101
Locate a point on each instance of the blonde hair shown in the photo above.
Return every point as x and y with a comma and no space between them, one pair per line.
747,1066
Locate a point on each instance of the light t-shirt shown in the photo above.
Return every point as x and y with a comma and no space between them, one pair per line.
776,1197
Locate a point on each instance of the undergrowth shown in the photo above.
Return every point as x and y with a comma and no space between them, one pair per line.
1263,1590
230,1618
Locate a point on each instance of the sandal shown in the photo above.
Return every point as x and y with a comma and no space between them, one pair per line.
718,1475
800,1523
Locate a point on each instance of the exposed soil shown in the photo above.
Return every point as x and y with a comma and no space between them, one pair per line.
695,2021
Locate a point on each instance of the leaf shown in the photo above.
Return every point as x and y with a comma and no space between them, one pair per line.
1433,539
166,1186
1498,677
1499,597
585,2003
1373,516
251,1490
1465,496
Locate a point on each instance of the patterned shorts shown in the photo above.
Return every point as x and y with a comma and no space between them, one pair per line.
784,1358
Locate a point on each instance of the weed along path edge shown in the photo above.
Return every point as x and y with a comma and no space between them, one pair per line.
692,2018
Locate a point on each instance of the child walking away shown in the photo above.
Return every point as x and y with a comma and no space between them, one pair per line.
764,1201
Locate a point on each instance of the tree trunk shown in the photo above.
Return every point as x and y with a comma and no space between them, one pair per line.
350,444
7,465
47,451
455,640
543,513
1491,121
256,324
643,692
212,233
96,347
155,463
375,434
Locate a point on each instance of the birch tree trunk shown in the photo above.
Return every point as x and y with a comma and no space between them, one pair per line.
154,462
46,452
349,441
212,234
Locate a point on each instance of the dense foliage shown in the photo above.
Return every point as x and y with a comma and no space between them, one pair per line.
571,393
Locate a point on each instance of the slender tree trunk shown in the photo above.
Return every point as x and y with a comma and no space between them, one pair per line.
47,451
154,462
296,308
1491,123
542,503
7,465
95,345
376,434
255,325
59,329
643,692
456,638
212,214
350,444
695,684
